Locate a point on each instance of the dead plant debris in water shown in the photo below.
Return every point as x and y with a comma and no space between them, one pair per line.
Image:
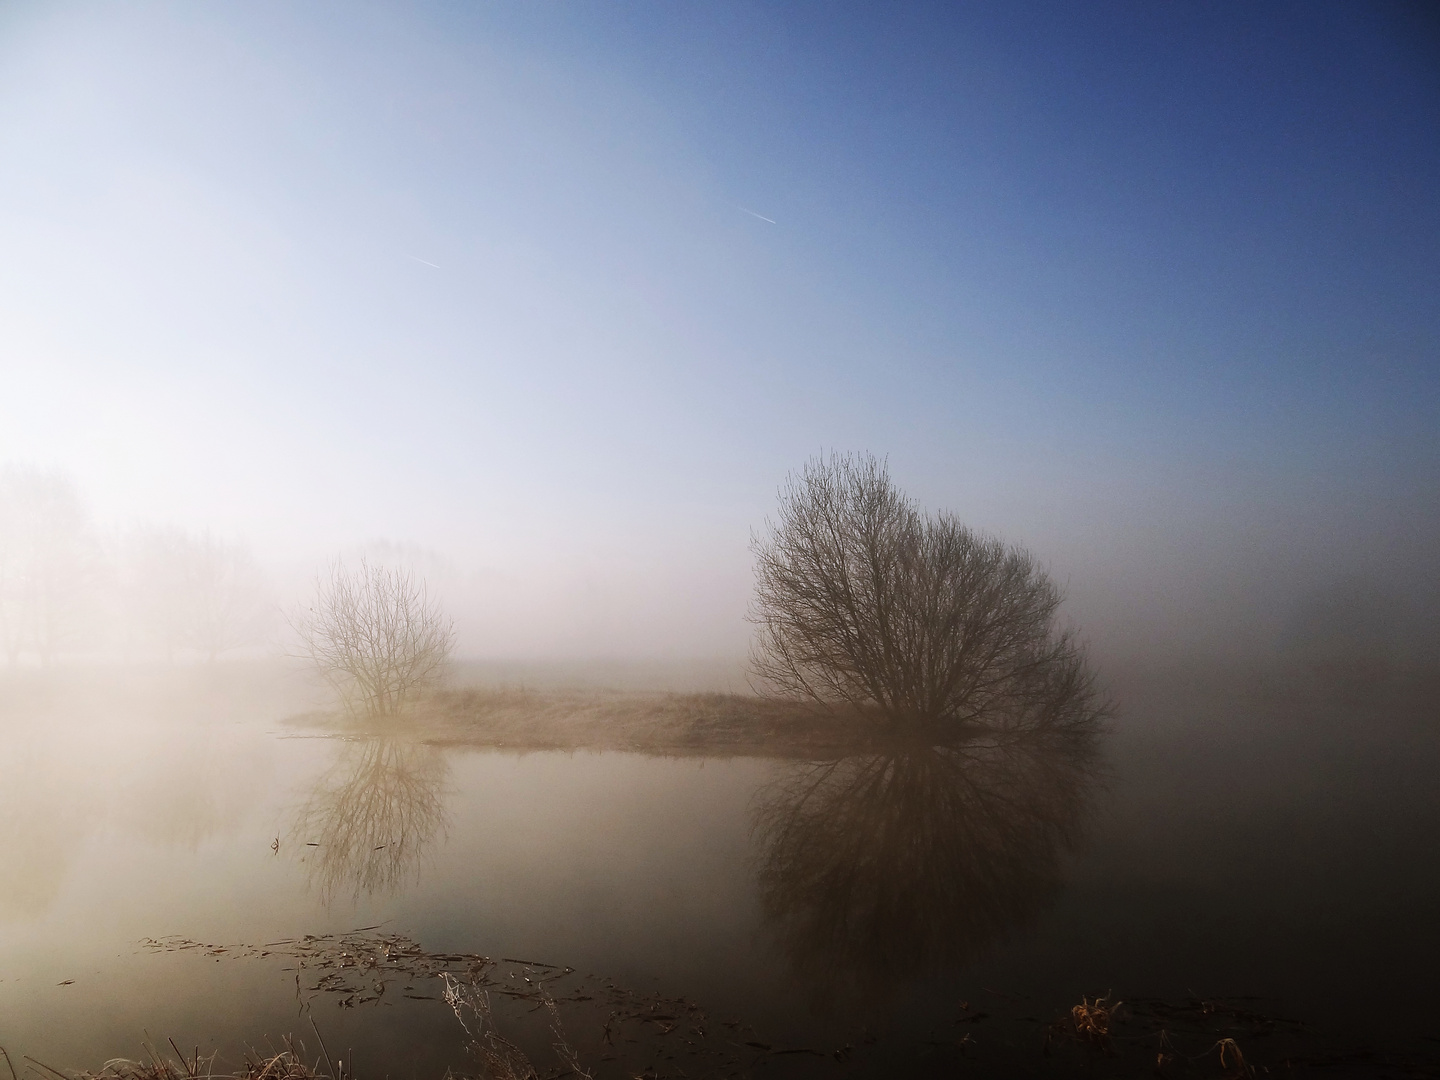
1191,1037
500,1058
516,1013
1232,1060
1092,1019
360,968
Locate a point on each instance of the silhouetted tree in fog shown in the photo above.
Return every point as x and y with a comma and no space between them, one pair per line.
376,637
230,606
47,563
862,600
195,591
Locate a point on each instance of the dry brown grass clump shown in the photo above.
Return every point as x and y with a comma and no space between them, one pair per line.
286,1064
1092,1019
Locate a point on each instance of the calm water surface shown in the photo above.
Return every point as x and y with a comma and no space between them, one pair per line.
1225,843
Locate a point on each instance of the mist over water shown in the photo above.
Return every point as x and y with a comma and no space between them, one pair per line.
736,541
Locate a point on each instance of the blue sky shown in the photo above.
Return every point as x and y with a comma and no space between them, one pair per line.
1149,287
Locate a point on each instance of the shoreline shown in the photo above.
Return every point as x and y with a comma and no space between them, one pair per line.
659,723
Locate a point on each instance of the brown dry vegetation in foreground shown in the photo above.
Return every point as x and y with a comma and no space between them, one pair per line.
510,1011
655,723
287,1064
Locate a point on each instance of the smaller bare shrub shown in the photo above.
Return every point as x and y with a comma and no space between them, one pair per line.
376,637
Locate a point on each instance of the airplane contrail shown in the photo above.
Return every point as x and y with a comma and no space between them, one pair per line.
752,213
417,258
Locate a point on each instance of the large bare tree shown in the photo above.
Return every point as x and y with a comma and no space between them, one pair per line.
376,637
863,601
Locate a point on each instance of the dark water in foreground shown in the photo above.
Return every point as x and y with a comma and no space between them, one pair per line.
1272,848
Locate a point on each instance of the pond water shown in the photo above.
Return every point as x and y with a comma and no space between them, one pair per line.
1272,851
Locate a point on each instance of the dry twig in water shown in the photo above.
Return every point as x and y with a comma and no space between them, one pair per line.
1232,1060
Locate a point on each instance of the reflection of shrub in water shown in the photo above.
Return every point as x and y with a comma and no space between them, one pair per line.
874,867
365,827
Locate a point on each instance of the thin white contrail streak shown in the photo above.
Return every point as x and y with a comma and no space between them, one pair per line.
417,258
752,213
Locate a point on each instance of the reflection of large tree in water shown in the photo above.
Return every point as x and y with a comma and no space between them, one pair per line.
371,817
876,867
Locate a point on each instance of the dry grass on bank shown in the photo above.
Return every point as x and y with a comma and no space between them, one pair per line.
655,723
287,1064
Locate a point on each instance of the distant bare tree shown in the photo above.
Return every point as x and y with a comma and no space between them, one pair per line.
230,602
154,587
195,591
376,637
47,563
863,601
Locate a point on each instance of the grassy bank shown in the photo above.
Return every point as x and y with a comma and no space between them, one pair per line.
712,724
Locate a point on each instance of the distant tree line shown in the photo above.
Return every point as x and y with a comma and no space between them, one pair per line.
68,587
